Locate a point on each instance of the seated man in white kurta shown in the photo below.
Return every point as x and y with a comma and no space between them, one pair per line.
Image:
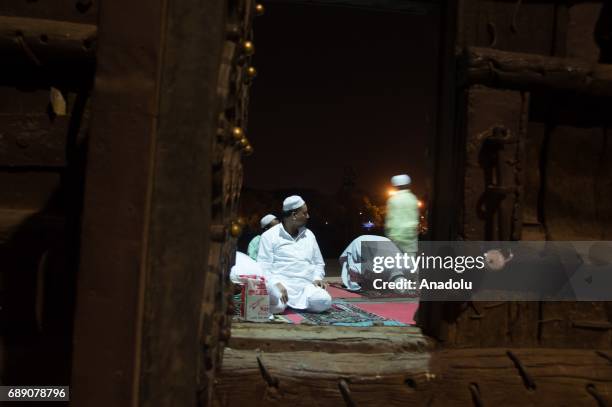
291,260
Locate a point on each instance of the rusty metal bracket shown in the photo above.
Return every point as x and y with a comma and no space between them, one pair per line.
527,379
346,393
268,378
592,390
475,391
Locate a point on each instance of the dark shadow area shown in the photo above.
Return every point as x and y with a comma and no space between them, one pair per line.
40,259
344,99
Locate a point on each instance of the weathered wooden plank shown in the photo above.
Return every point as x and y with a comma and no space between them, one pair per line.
311,377
464,328
533,177
225,72
523,324
559,46
576,324
572,182
33,140
510,26
446,167
580,37
32,135
20,221
177,236
283,338
557,376
151,143
109,301
494,324
29,189
531,71
42,41
76,11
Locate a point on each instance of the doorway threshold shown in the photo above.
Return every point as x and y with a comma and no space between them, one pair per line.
329,339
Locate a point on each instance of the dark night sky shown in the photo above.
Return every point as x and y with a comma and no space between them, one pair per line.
340,87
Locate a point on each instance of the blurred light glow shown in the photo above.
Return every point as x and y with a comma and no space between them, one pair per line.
420,203
392,192
368,225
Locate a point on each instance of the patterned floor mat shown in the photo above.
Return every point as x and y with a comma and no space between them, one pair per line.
343,313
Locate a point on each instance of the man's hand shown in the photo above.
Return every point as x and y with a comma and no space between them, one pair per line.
320,283
283,292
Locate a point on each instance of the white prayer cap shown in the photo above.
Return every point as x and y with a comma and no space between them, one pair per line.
293,202
265,221
400,180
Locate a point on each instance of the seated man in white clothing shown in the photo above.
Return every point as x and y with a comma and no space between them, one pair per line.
291,260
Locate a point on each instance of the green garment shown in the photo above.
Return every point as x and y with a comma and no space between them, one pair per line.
254,247
402,220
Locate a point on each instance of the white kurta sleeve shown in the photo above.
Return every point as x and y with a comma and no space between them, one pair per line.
317,261
265,256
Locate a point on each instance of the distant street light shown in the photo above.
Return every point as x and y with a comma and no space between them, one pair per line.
368,225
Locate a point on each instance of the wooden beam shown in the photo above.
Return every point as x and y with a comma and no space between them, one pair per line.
42,41
309,377
446,163
460,377
405,6
146,218
21,146
513,70
277,338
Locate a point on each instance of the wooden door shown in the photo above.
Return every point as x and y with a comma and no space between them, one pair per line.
162,184
531,101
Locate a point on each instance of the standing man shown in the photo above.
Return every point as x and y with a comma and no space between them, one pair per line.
402,219
266,223
291,260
